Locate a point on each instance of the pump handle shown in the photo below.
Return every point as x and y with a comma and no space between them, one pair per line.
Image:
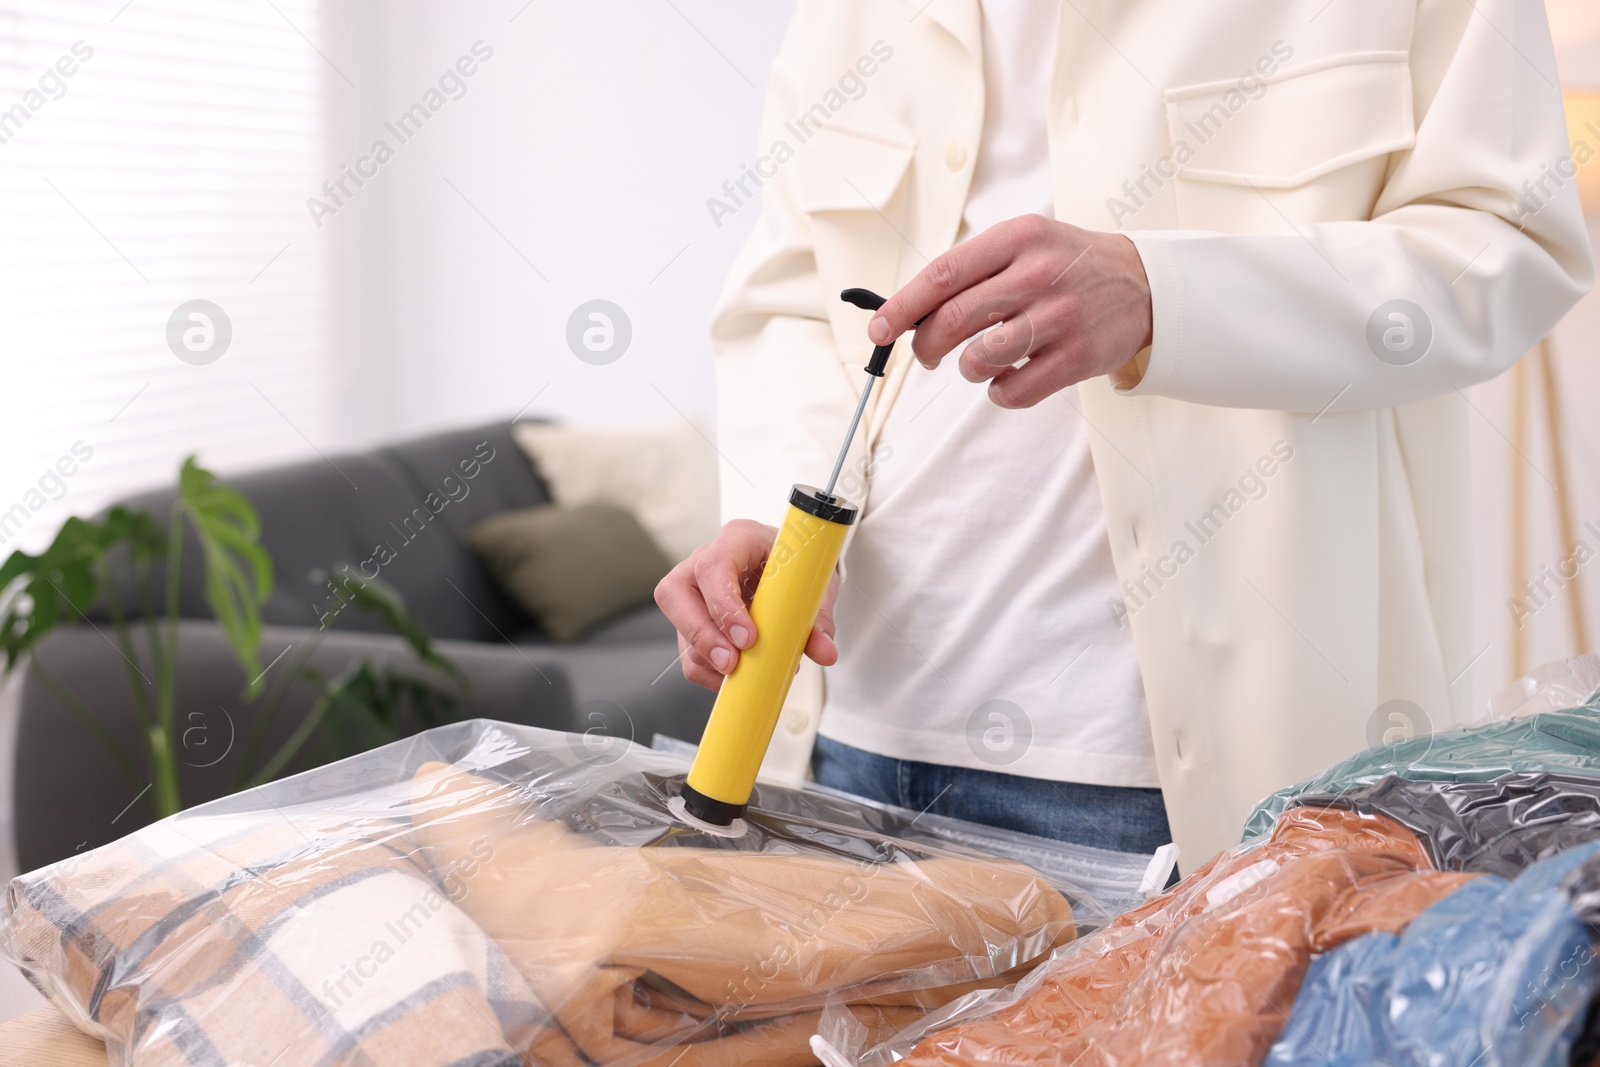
867,300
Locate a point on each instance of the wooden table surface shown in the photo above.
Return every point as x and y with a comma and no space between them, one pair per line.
45,1038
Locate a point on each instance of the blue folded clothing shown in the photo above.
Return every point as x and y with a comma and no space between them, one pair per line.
1498,974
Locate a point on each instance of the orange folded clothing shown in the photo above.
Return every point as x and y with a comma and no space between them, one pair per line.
1206,974
711,955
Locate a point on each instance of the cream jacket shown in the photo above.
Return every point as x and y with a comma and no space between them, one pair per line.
1287,169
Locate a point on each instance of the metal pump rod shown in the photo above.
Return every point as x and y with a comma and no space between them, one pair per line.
870,301
849,436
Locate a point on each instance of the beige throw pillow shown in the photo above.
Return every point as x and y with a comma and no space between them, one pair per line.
571,568
665,473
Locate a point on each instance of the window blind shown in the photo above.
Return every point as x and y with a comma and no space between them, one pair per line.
154,153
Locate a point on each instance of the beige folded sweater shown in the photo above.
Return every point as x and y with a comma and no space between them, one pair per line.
712,956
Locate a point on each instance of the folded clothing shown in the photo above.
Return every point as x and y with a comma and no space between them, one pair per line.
1560,741
703,956
1501,826
1498,974
1204,974
215,940
487,894
1582,887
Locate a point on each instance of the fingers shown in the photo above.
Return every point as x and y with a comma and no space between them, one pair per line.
998,349
1064,314
1046,372
820,646
957,270
696,669
720,577
704,598
981,307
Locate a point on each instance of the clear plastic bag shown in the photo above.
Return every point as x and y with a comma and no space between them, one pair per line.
1548,740
489,893
1499,827
1564,683
1101,883
1205,974
1198,976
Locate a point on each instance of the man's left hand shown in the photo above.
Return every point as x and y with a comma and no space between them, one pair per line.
1070,303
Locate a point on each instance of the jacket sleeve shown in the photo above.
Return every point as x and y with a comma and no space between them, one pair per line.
783,396
1282,321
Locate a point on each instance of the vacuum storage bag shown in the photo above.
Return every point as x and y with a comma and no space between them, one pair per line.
1498,974
1432,902
1501,826
1566,740
493,894
1197,977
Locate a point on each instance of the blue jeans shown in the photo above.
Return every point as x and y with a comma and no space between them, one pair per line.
1114,817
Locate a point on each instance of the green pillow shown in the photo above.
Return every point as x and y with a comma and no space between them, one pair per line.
571,568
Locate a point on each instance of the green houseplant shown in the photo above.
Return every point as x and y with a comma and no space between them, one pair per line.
361,706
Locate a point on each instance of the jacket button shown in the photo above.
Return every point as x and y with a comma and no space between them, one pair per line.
796,722
955,157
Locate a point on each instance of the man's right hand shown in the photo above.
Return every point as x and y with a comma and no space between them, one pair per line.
707,597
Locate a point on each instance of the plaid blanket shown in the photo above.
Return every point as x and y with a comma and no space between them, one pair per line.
446,920
227,940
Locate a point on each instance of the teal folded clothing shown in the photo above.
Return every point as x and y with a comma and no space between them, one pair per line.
1552,741
1496,974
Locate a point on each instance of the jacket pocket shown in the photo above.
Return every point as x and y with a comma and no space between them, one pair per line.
1309,144
853,188
1297,126
843,170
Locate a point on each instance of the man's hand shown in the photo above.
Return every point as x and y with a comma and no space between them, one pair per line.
1073,303
707,597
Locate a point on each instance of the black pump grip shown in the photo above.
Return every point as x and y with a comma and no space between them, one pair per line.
867,300
880,359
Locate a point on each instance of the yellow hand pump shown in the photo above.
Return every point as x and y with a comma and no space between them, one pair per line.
784,609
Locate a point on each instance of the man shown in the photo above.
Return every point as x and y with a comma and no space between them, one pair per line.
1196,505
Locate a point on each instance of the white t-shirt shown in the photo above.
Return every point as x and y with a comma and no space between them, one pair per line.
974,628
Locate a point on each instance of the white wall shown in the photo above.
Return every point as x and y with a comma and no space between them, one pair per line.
1575,24
589,143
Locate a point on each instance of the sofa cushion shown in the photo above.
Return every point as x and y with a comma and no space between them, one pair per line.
644,624
571,568
481,470
665,473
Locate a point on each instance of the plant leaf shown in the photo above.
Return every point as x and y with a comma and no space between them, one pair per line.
385,601
367,702
38,591
238,571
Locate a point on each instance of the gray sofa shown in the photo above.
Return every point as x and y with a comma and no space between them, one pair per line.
622,679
